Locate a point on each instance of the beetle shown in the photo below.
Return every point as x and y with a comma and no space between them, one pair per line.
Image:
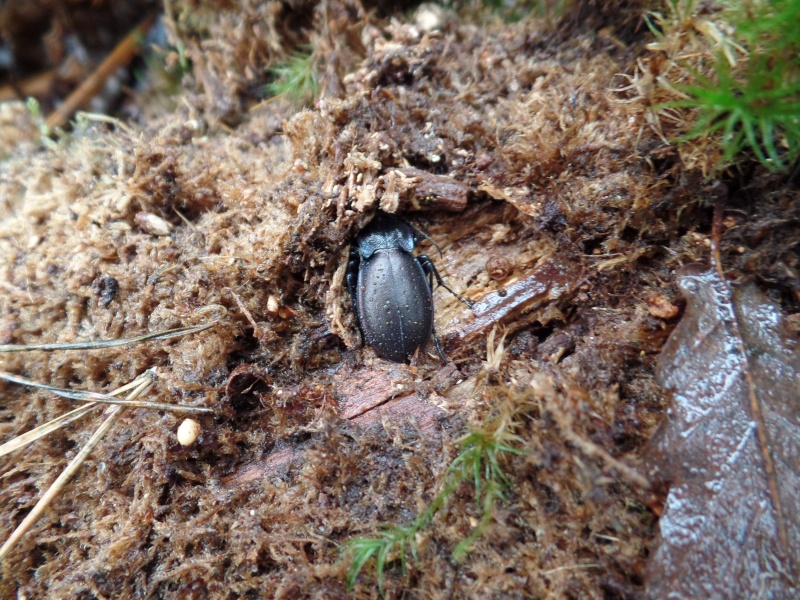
392,290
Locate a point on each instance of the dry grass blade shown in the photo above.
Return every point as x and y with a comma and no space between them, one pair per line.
43,430
159,335
145,382
58,423
100,118
86,396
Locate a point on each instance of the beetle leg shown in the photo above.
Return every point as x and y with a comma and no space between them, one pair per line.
430,269
438,346
352,273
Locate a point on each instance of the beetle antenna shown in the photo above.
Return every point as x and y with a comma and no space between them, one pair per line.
421,233
427,237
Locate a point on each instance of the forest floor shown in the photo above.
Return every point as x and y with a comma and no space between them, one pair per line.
560,209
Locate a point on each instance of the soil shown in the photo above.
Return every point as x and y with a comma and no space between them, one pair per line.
558,209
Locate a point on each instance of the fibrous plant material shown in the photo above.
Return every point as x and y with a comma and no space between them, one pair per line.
139,386
511,127
142,384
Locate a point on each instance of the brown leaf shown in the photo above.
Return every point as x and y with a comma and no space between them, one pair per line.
730,447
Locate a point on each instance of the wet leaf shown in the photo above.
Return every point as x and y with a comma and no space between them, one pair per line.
730,448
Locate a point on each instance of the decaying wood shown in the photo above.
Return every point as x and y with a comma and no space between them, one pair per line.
434,192
405,411
361,390
517,303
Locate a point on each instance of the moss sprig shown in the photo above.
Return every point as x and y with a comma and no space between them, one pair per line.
479,464
297,78
752,102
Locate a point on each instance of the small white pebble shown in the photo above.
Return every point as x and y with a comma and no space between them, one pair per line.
152,224
188,432
272,305
429,17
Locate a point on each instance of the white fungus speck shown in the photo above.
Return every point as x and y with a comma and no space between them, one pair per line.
152,224
272,305
188,432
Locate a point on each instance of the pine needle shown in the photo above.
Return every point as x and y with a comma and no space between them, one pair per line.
39,432
87,396
158,335
146,380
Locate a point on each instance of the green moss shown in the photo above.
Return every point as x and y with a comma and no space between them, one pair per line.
297,78
753,103
478,463
32,104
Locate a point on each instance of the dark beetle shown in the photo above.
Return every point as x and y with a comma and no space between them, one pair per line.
392,289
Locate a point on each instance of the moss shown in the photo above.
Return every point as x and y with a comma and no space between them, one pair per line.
746,94
477,463
297,78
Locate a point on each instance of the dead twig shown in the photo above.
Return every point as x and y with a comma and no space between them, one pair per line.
121,55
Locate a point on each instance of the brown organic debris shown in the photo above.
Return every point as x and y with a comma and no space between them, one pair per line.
660,307
434,192
558,211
